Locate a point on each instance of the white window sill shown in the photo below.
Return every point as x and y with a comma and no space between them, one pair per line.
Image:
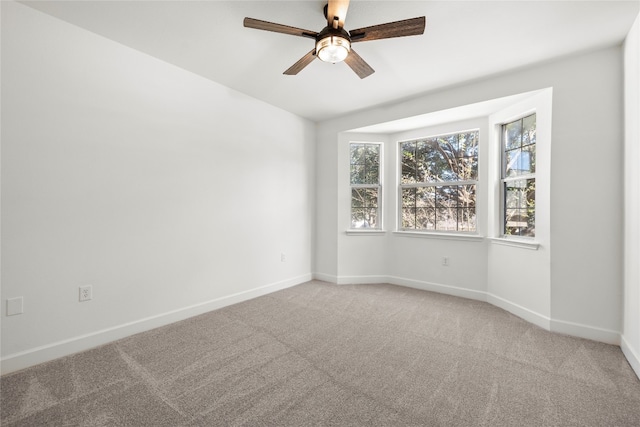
524,244
443,236
365,232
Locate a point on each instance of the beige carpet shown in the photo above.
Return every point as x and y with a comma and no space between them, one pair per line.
321,354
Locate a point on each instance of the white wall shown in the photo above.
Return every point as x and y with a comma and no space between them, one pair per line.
519,277
585,264
361,259
366,257
631,330
326,246
167,192
417,261
586,261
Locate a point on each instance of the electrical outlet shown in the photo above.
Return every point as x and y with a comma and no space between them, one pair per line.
445,261
283,257
86,293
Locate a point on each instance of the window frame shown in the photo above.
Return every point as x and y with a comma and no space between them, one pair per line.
378,187
503,180
401,186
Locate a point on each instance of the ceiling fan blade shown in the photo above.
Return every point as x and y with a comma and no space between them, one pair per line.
337,9
358,65
302,62
278,28
407,27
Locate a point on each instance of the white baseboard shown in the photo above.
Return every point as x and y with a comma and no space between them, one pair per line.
24,359
631,355
538,319
325,277
520,311
361,280
436,287
585,331
21,360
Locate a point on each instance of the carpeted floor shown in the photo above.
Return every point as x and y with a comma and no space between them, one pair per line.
321,354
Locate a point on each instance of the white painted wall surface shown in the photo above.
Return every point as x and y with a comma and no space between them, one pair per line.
418,260
361,258
519,278
631,330
160,188
327,228
586,261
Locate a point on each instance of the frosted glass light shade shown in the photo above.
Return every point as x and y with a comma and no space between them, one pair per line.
333,48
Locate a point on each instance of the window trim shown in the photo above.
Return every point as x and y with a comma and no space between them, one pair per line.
528,242
379,186
442,234
516,241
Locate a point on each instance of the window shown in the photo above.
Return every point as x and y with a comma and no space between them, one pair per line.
438,178
365,185
518,177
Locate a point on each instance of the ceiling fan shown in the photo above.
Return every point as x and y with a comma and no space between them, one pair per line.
333,43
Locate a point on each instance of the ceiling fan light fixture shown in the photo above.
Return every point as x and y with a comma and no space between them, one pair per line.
333,48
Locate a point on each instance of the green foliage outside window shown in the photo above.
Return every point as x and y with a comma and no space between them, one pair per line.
518,177
438,182
365,185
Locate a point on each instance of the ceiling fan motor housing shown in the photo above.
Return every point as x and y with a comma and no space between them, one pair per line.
333,44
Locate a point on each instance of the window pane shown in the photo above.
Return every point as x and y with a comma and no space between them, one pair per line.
468,144
446,196
517,193
430,161
519,159
357,153
408,218
466,196
408,162
516,221
519,162
364,197
357,218
357,174
520,207
467,219
371,197
372,175
529,130
372,163
371,217
365,163
445,159
425,197
531,153
449,144
372,153
408,197
421,160
364,170
467,168
357,198
446,219
364,217
425,218
513,194
437,167
513,135
520,222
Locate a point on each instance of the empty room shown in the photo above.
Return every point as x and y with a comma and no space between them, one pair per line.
297,213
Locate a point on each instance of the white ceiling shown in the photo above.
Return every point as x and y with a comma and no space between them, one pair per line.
462,41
